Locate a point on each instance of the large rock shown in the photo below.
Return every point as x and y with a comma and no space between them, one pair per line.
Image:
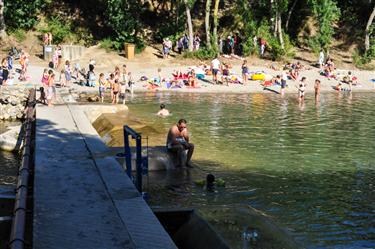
10,140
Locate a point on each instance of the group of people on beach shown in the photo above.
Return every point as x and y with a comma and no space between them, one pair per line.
232,45
47,90
7,66
118,82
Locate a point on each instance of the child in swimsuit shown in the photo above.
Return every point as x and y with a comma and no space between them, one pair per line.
301,89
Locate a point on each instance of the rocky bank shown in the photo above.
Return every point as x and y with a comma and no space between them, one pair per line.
12,103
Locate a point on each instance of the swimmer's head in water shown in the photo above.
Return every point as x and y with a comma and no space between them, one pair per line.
162,106
210,178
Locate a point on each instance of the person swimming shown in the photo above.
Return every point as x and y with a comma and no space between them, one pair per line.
163,112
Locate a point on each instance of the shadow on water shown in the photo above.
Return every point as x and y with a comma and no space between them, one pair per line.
230,209
9,161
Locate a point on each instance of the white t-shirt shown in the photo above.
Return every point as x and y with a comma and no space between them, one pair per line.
215,64
284,76
123,88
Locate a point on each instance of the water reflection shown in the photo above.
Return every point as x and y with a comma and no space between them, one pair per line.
311,167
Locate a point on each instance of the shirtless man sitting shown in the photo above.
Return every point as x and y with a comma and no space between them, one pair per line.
178,142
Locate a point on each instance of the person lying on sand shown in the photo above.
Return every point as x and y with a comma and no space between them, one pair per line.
293,74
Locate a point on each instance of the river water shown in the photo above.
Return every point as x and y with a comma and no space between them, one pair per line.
310,167
9,162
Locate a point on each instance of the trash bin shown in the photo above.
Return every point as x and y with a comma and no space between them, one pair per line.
129,51
47,52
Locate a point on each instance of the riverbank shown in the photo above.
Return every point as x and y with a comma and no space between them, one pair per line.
365,83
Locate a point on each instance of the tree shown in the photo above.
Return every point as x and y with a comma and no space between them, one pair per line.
189,23
3,34
22,13
367,31
277,8
290,15
216,23
326,13
207,23
123,18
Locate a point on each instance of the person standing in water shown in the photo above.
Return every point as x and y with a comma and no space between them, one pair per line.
302,89
178,142
317,89
163,112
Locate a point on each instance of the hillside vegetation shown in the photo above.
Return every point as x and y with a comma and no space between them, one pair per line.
310,25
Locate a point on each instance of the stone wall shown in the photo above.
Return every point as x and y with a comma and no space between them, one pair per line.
69,52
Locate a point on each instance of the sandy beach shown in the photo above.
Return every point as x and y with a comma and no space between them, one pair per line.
147,64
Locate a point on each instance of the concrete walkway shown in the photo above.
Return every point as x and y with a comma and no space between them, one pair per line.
83,198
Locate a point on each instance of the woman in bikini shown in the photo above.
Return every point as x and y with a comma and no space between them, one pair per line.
302,89
115,89
111,81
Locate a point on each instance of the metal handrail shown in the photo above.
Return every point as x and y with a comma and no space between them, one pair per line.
139,160
17,237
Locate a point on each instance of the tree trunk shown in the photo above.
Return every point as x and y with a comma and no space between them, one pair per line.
367,37
3,34
207,24
216,23
289,15
279,30
273,19
190,25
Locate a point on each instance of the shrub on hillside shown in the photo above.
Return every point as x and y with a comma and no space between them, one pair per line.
106,44
202,54
19,34
61,31
362,60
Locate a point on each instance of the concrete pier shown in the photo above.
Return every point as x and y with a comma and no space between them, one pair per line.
82,196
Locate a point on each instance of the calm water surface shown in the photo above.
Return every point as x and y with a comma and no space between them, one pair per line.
9,162
311,167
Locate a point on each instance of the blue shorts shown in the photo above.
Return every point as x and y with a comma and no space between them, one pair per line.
283,83
101,91
215,71
68,76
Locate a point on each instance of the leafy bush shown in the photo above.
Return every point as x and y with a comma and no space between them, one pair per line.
275,49
326,13
248,47
314,44
19,34
274,46
106,44
83,36
61,31
362,60
202,54
22,14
